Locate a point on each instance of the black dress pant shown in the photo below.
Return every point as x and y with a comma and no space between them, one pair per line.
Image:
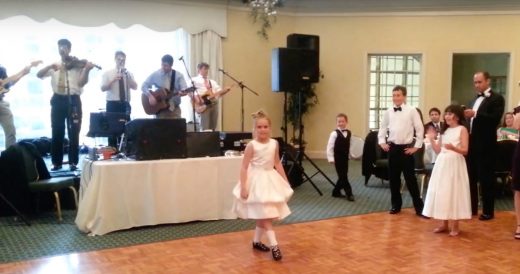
119,107
67,112
481,170
341,166
399,162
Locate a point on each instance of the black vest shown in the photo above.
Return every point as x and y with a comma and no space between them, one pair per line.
342,145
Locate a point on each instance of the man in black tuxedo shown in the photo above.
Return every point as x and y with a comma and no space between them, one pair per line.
483,118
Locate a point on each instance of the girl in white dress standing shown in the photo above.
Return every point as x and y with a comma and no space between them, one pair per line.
448,197
263,190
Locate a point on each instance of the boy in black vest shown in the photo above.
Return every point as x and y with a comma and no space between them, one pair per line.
338,149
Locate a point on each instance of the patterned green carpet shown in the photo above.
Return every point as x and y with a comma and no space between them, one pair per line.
45,237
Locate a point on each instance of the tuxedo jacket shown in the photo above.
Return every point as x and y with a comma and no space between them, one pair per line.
430,124
482,139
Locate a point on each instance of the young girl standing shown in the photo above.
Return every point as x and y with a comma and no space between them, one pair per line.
263,190
448,196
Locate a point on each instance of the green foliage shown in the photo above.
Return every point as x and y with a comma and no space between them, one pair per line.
308,100
266,21
263,12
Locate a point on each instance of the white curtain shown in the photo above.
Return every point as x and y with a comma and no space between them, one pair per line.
157,15
206,47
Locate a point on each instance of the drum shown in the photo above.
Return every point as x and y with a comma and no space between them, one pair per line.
356,148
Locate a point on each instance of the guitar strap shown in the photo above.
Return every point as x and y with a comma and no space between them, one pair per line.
205,98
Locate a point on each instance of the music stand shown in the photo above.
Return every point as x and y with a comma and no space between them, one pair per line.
107,124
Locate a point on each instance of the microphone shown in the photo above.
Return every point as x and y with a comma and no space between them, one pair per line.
181,58
221,70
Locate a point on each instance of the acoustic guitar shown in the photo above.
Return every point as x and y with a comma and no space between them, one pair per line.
162,96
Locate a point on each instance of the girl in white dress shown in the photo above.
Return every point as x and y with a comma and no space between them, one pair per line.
448,197
263,190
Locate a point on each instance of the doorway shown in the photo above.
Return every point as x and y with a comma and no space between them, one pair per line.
465,65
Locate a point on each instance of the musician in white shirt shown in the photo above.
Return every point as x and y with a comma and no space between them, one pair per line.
68,77
117,84
402,122
205,98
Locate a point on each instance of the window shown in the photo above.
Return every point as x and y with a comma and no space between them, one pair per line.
387,71
28,40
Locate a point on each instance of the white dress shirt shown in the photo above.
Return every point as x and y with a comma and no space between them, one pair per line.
330,145
401,126
201,86
477,104
113,91
73,76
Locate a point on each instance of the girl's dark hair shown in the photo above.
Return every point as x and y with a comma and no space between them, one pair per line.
458,111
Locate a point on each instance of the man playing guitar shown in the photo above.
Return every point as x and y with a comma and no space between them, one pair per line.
167,79
6,116
205,99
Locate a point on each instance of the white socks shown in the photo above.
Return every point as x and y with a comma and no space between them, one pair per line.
271,237
259,232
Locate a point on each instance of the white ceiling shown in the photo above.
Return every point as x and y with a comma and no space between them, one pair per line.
371,6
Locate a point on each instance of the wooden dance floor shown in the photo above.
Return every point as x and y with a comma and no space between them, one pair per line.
372,243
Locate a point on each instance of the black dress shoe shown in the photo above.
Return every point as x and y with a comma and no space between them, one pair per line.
394,211
73,167
55,167
351,198
277,254
260,246
338,195
485,217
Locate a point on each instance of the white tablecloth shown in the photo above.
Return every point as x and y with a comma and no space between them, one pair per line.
117,195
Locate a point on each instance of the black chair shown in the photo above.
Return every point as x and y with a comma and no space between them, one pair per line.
54,185
374,160
504,161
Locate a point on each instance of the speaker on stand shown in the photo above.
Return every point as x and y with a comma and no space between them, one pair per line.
294,69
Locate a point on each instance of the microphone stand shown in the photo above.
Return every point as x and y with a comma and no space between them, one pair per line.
242,86
192,94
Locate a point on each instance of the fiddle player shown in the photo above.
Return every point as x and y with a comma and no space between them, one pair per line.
68,77
117,84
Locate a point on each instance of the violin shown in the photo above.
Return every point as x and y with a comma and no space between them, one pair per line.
72,62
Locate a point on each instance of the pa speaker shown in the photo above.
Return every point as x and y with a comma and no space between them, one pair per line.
154,139
303,41
290,68
306,41
203,144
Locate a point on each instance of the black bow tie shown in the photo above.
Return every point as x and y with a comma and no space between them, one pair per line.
344,130
398,109
480,94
